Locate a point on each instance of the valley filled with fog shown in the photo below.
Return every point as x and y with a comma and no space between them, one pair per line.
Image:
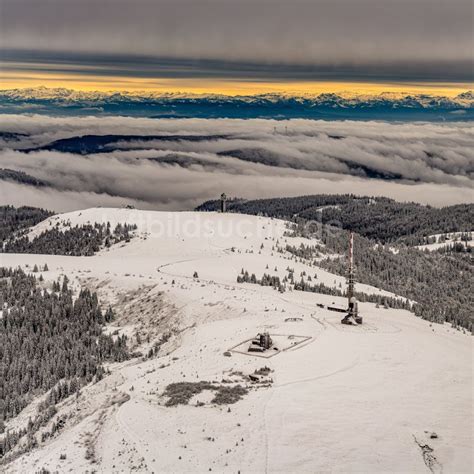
68,163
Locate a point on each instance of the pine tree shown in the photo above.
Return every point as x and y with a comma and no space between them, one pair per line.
64,288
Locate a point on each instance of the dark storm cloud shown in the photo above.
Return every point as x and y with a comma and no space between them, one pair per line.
427,39
431,163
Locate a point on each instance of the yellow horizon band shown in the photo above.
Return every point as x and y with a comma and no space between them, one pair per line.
17,80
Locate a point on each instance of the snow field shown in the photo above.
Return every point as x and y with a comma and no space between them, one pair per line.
350,400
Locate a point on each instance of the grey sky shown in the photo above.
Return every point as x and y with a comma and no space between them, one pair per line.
426,38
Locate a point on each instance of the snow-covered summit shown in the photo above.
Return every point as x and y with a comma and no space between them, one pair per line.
349,399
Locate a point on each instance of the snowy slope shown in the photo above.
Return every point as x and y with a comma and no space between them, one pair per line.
351,399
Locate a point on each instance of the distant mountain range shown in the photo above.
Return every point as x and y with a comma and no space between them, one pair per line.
385,106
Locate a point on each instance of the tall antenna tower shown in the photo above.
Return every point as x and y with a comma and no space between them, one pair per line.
352,316
350,272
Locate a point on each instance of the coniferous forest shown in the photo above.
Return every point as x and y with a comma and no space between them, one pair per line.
49,340
378,218
305,283
15,220
385,257
84,240
439,283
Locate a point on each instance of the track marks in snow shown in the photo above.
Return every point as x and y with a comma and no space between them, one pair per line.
318,377
428,457
289,384
138,443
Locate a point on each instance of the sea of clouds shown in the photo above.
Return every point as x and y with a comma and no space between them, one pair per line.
424,162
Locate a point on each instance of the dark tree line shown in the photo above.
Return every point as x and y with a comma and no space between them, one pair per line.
265,280
378,218
276,207
455,247
306,252
441,284
15,220
48,341
20,177
84,240
305,283
440,239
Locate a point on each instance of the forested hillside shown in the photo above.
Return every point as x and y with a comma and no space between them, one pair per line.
440,282
48,340
377,218
306,282
20,177
14,220
83,240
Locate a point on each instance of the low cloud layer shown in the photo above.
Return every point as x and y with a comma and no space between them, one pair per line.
176,164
